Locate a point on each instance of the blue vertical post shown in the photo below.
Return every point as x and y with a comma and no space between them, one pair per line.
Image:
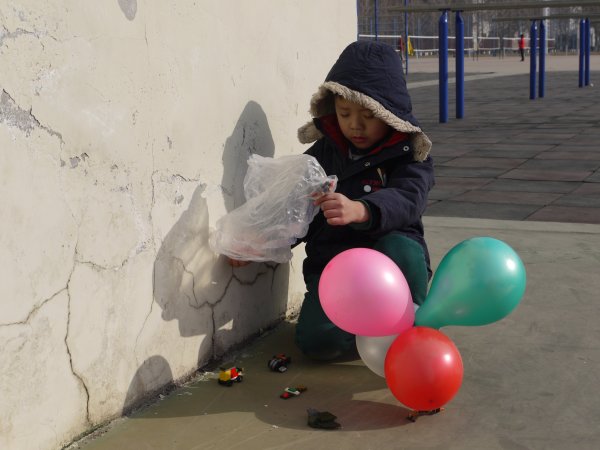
406,37
588,47
542,74
443,66
460,66
532,57
376,24
581,51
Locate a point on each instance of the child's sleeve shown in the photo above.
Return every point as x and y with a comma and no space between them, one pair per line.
373,221
403,201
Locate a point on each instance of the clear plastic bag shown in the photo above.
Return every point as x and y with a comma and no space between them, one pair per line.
278,210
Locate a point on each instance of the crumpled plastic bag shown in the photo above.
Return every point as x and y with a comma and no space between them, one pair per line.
278,210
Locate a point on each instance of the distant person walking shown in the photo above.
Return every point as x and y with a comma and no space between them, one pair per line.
401,47
522,47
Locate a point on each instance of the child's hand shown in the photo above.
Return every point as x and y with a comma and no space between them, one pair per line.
340,210
237,263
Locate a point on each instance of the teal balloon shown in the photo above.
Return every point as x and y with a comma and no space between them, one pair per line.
479,281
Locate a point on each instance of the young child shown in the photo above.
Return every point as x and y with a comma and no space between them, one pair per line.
366,135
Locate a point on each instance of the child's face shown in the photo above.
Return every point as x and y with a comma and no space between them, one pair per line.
358,124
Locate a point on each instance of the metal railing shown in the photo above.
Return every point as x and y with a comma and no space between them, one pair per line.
423,46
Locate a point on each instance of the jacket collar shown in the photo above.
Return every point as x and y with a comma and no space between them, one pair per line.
329,126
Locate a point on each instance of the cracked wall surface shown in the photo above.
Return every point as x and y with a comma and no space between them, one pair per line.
125,130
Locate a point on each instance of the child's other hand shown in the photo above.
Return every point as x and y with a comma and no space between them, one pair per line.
340,210
237,263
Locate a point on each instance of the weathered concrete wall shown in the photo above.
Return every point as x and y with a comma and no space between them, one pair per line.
125,127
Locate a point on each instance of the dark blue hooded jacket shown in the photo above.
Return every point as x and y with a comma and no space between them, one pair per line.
393,179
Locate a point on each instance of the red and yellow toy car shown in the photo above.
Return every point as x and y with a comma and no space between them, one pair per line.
228,376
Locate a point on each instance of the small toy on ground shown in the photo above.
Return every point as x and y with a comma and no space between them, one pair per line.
292,392
414,415
228,376
279,362
324,419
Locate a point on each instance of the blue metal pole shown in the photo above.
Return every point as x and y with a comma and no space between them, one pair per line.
460,66
581,51
542,74
532,55
443,66
588,48
376,24
406,37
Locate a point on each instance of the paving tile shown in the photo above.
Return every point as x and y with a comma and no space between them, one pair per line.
559,128
443,134
444,194
450,208
531,186
560,164
576,147
568,214
547,175
533,120
544,138
588,189
448,150
586,201
470,139
442,160
574,154
494,163
460,183
491,152
594,178
582,139
532,148
511,197
443,171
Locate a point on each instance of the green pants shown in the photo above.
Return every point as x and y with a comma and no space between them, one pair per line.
320,339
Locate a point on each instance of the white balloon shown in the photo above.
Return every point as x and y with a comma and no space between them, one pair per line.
372,350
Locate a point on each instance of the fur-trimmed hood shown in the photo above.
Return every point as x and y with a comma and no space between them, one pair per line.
368,73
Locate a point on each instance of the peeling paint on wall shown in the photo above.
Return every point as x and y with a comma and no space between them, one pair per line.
5,34
14,116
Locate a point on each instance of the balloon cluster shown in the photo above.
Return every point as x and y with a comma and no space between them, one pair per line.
479,281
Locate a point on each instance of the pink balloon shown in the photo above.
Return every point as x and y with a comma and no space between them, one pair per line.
363,292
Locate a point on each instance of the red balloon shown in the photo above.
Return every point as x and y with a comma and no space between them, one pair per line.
423,368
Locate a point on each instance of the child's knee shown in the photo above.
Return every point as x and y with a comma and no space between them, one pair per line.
323,342
410,257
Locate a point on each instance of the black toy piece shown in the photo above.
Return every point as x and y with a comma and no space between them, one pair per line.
279,363
324,419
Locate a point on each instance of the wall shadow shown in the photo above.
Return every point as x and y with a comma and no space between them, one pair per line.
194,286
251,136
152,376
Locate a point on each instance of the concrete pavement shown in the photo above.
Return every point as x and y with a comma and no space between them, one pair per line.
513,158
522,171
